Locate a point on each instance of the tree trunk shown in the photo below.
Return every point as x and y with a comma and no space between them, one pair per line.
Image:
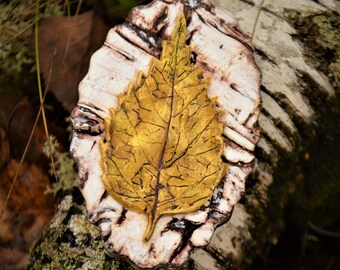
297,50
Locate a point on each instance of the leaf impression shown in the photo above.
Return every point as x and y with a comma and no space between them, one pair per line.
163,143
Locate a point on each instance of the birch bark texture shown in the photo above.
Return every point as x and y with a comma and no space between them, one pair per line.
291,85
225,56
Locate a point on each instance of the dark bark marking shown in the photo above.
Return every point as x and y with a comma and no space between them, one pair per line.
219,218
122,216
234,87
125,55
265,56
187,232
101,220
85,121
132,42
82,180
107,236
231,29
94,143
152,251
105,194
147,32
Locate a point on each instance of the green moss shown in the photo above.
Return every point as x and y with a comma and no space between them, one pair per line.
334,72
64,167
72,242
320,36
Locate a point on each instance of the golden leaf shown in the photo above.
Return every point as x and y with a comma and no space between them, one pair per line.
163,144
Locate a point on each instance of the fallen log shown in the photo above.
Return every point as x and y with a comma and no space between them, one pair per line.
287,121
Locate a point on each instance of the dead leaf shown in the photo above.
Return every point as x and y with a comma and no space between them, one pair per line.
17,117
164,143
26,214
65,47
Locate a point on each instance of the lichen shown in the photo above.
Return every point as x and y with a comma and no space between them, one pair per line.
81,228
72,242
319,34
62,167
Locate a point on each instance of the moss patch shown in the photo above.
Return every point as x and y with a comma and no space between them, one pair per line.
320,36
72,242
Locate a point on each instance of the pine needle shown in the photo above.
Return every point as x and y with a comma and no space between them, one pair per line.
39,83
